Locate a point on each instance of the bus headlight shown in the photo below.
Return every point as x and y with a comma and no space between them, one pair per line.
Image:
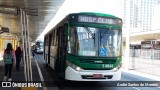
117,68
74,66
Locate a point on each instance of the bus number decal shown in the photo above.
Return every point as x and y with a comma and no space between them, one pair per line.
107,65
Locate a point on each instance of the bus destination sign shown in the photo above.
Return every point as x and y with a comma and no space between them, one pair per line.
93,19
9,9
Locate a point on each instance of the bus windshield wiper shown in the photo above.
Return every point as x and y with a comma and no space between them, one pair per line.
88,31
104,33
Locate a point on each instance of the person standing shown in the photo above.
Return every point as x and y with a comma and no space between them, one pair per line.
9,59
33,50
18,53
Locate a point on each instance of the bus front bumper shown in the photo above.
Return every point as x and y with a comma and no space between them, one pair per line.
92,75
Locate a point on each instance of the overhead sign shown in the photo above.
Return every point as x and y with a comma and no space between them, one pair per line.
31,11
145,42
5,29
9,9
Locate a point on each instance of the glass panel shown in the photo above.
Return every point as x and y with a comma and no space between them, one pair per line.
55,37
46,40
88,41
110,42
71,42
52,39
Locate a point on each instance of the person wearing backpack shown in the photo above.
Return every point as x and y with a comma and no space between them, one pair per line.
9,59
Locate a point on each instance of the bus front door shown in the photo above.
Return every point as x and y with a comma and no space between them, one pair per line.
61,51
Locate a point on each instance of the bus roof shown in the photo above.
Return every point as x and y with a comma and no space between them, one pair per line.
95,14
85,13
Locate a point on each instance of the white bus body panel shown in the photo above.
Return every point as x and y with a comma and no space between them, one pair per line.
71,74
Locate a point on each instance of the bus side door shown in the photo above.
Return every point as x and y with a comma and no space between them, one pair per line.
61,50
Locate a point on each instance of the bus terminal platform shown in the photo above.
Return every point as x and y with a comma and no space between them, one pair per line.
40,72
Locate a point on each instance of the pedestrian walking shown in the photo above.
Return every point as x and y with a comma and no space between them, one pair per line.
9,59
33,50
18,53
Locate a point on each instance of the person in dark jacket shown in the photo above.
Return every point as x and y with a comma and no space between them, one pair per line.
33,50
18,53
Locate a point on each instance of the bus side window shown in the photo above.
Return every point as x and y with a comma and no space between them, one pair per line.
52,40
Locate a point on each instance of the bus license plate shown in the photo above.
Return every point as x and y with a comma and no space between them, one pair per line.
97,76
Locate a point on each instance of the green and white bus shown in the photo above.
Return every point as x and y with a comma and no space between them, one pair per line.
85,47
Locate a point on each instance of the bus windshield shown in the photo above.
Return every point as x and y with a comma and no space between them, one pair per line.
99,42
